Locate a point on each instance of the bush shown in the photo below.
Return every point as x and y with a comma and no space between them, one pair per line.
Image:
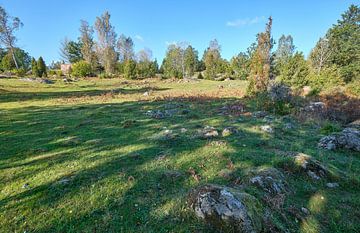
56,73
19,72
130,69
81,69
277,99
105,75
353,88
327,78
329,128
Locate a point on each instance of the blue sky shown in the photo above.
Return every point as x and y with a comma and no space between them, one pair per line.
155,24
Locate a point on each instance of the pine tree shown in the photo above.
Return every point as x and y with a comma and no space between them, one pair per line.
34,68
261,62
41,67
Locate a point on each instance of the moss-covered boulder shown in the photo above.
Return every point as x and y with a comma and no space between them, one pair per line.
227,209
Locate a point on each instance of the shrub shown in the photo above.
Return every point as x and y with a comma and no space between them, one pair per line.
329,128
353,88
200,76
277,99
41,67
130,69
81,69
19,72
327,78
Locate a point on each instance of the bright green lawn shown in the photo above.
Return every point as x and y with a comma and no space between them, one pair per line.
113,166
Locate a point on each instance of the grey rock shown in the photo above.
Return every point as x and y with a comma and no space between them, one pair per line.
279,92
208,132
315,107
259,114
305,211
271,180
267,128
226,209
349,138
332,185
310,166
229,131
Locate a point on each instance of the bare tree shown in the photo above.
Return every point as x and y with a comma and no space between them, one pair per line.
320,55
106,42
87,42
8,26
125,46
144,55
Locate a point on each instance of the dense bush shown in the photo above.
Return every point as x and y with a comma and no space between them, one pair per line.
325,79
353,88
81,69
130,69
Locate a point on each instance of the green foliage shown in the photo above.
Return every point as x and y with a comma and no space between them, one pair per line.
327,78
354,88
130,69
81,69
261,62
21,72
34,68
295,71
147,69
212,60
71,51
41,67
191,61
23,59
240,66
172,63
329,127
344,40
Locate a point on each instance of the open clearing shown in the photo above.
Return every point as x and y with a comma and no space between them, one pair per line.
121,156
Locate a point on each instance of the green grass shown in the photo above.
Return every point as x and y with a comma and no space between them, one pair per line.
96,135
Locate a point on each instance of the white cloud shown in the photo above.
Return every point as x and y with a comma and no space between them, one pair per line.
139,38
244,22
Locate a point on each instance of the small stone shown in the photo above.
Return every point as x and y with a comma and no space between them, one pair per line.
146,93
305,211
313,175
267,128
332,185
229,131
259,114
183,130
289,126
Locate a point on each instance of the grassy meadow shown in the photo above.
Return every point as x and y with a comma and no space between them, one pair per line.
86,157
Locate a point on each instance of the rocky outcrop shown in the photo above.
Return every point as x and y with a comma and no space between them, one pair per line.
349,138
227,209
270,180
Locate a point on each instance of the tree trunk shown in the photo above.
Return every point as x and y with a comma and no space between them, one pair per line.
13,56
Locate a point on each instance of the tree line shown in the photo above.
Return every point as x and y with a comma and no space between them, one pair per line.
335,59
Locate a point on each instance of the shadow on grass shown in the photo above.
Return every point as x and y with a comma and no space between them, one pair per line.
12,96
89,172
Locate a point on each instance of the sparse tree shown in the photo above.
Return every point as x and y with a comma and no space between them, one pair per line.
8,26
172,64
261,61
125,46
87,43
106,42
212,60
320,55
